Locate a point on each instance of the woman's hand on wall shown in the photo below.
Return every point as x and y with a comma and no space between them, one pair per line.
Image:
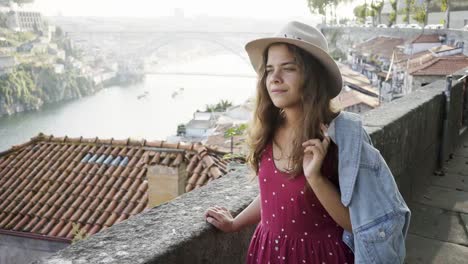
221,218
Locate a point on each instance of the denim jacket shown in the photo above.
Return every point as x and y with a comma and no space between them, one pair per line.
379,215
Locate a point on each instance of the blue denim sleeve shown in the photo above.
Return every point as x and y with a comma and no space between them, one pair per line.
367,138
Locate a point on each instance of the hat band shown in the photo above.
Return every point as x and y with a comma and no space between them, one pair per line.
292,36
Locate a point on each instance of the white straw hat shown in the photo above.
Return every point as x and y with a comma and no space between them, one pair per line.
309,39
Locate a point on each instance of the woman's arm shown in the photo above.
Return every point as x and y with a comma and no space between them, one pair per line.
249,216
222,219
315,151
330,199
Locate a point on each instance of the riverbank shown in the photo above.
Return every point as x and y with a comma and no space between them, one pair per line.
28,88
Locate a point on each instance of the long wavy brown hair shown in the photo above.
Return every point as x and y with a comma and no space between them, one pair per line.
316,109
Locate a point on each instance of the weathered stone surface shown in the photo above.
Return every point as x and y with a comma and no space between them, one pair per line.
457,165
450,180
435,223
408,126
464,218
462,151
444,198
174,232
421,250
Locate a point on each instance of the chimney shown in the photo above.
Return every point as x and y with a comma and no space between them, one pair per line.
165,183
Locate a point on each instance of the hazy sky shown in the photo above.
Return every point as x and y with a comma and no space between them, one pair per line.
150,8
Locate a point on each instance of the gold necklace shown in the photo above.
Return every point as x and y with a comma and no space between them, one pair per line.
289,168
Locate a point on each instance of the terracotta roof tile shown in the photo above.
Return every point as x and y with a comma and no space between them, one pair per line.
48,227
425,38
51,211
64,231
84,217
50,182
22,223
58,227
38,226
94,229
381,46
441,66
30,224
111,219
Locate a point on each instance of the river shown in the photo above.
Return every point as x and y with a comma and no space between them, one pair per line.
118,112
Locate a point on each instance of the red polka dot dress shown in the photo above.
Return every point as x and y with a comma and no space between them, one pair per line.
294,226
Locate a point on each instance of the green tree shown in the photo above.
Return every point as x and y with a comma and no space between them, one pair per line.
323,7
409,6
426,10
219,107
234,131
377,10
419,14
360,12
393,13
318,7
445,6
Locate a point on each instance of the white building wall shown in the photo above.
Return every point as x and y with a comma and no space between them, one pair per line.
458,19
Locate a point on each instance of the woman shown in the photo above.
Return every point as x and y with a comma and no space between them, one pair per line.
325,192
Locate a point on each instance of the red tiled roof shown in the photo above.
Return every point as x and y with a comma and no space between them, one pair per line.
354,78
425,38
401,57
441,66
420,57
381,46
49,183
349,98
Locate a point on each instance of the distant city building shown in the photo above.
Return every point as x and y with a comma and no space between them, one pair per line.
201,123
397,67
373,57
359,95
422,42
412,71
24,21
435,69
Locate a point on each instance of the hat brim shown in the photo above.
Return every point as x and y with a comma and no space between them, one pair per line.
256,48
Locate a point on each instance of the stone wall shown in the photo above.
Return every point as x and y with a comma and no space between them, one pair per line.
418,81
408,132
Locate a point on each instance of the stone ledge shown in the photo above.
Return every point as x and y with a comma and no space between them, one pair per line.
176,232
160,232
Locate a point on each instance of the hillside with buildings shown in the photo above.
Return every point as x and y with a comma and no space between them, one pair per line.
40,64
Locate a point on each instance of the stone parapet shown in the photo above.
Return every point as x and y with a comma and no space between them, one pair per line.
408,132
